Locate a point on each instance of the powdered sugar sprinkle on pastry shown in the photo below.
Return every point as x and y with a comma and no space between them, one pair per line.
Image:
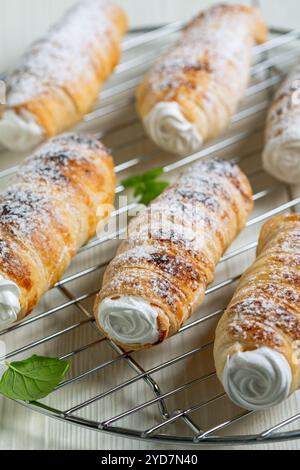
47,214
257,349
205,74
171,251
60,76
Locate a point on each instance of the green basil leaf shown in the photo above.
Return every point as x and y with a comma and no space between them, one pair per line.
152,191
139,190
132,181
152,174
32,379
145,187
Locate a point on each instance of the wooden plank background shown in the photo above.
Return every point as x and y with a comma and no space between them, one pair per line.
22,21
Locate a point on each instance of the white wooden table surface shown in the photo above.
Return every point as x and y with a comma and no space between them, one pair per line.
21,21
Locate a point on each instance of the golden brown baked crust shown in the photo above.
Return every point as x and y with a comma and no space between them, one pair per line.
207,70
60,76
172,248
50,212
264,310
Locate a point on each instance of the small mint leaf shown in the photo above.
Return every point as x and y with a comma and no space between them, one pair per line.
145,187
139,190
34,378
153,190
152,174
132,181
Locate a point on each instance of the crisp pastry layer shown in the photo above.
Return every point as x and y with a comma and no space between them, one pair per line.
191,93
162,269
281,156
59,77
52,208
257,339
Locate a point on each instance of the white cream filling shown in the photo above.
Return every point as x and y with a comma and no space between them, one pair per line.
20,132
257,379
281,158
170,130
129,320
9,302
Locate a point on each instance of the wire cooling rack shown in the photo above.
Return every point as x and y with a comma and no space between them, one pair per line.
169,393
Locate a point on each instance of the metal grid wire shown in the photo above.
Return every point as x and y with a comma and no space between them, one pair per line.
137,383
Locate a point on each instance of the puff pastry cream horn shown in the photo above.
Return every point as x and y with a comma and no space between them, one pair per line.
162,269
59,196
281,155
190,94
257,348
59,77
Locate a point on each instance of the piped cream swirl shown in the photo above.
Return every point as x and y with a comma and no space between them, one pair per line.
20,132
257,379
281,158
170,130
129,320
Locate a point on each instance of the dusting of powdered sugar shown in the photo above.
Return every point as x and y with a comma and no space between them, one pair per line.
259,310
160,260
64,55
34,201
271,296
217,43
17,207
7,251
85,141
181,238
156,286
186,212
182,244
52,162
